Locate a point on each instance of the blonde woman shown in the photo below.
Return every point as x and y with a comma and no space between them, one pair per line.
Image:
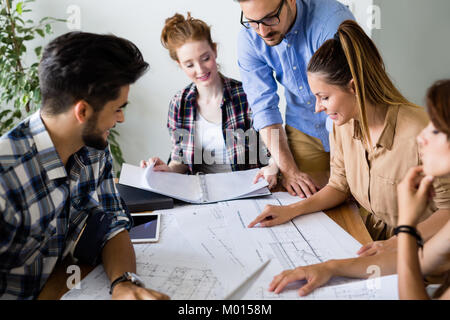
373,141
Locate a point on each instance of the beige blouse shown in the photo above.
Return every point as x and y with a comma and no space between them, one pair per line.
371,176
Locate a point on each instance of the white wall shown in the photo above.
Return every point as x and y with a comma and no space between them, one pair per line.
414,41
144,132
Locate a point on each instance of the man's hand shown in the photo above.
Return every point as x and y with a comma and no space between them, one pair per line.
129,291
413,194
378,247
315,275
273,215
298,183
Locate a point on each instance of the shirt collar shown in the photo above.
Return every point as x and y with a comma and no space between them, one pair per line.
386,139
387,136
297,26
46,151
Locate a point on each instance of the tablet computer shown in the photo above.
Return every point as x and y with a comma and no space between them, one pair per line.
146,227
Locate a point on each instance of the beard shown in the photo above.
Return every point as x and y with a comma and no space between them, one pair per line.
278,37
92,137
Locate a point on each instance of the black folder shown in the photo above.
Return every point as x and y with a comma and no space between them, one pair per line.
138,200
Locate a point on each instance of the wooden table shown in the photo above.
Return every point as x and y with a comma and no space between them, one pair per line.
346,215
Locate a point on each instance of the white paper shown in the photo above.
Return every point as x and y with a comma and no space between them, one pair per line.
207,232
232,185
219,186
206,250
306,240
170,266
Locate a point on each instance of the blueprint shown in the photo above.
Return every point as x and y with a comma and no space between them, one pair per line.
206,250
170,266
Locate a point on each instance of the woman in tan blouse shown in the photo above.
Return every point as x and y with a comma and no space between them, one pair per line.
373,141
413,191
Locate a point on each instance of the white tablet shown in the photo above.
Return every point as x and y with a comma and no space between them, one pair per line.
145,228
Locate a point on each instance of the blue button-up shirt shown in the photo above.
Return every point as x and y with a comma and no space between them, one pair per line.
316,22
44,205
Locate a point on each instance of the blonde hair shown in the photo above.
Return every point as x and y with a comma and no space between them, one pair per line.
353,55
179,30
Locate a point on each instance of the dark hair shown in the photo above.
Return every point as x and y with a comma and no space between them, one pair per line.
351,54
179,30
438,103
86,66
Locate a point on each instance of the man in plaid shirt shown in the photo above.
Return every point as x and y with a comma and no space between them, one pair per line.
56,168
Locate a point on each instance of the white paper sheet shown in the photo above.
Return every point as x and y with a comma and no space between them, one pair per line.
207,232
308,239
207,188
205,250
170,266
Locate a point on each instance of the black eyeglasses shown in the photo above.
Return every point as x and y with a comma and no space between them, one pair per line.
267,21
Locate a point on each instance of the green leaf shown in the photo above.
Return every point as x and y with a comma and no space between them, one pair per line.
48,28
4,113
19,8
8,123
17,114
38,51
40,32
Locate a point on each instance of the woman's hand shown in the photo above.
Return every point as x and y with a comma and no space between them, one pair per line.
158,164
377,247
413,194
273,215
315,275
270,173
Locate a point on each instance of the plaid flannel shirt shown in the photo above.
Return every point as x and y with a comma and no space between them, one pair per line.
242,151
43,208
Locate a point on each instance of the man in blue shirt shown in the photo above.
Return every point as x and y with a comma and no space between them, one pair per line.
279,38
56,169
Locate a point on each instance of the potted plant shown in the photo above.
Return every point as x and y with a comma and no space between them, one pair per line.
19,83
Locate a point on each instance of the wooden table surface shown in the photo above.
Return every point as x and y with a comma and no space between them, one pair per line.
346,215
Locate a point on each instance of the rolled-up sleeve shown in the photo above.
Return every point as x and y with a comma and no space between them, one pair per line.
259,84
338,178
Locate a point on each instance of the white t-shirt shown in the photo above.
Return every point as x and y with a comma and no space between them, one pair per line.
209,138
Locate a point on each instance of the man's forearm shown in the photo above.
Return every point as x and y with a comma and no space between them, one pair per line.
118,256
275,139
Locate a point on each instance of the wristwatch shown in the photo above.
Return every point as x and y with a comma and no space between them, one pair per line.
127,276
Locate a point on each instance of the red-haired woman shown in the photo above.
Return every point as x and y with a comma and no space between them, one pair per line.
209,121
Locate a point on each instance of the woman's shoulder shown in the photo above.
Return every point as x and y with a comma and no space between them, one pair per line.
235,86
412,119
183,95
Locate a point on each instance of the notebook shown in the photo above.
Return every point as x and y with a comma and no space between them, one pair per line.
200,188
139,200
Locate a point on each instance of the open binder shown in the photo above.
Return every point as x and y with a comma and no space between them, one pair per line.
200,188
